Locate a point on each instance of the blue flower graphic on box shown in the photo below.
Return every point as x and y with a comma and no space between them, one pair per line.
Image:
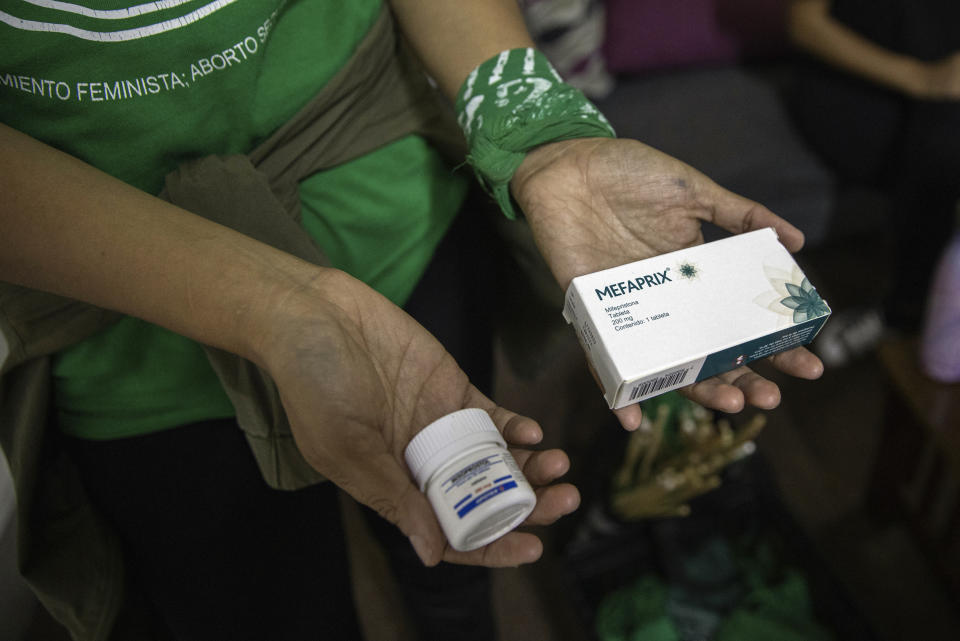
804,301
791,296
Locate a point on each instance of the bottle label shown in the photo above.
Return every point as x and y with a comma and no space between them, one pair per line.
479,481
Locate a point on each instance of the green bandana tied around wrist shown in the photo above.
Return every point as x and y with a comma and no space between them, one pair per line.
512,103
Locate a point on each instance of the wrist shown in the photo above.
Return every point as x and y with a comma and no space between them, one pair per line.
911,77
524,181
516,102
295,293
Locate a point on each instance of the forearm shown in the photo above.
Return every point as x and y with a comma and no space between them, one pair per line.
73,230
813,29
453,38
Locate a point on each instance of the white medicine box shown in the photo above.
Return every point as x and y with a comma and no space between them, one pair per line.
669,321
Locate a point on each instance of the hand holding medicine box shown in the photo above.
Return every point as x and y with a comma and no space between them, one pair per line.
666,322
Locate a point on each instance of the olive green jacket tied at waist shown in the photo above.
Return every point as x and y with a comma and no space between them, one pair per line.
67,555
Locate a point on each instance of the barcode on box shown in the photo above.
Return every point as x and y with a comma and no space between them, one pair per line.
659,383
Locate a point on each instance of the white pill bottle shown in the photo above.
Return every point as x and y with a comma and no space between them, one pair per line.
461,462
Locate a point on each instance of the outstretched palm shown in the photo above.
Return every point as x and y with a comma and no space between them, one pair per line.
597,203
359,378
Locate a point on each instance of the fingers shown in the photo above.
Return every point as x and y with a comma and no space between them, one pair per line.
410,510
731,391
757,391
385,486
415,518
715,394
517,429
629,417
541,468
516,548
799,362
738,214
553,502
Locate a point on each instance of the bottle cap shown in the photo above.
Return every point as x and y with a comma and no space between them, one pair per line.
443,439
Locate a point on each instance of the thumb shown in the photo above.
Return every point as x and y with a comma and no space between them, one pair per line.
630,416
419,523
389,490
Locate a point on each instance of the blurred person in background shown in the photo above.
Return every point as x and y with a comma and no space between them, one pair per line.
878,96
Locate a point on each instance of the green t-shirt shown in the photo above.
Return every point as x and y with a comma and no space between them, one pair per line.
135,91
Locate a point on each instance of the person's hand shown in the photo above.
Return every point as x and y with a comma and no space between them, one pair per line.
359,378
596,203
